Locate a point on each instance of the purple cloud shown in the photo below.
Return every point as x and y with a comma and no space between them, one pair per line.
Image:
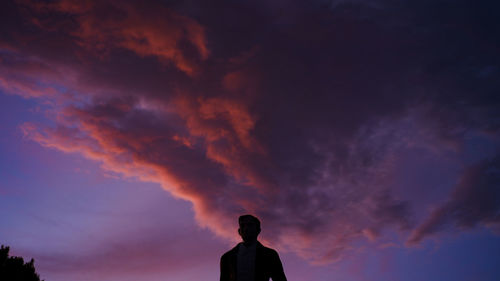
299,117
475,200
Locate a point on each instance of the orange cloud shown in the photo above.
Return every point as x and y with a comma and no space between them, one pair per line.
225,125
234,81
146,158
285,130
158,32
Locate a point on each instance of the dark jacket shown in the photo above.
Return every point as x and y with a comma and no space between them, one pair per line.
267,265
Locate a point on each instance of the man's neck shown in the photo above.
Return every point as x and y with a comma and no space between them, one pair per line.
249,243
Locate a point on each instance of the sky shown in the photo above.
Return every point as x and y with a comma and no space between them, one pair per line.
365,135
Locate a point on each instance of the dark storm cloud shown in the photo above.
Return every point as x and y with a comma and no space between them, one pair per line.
297,112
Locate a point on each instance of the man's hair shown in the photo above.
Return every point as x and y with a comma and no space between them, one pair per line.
249,217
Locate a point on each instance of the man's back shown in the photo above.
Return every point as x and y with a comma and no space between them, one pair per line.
267,265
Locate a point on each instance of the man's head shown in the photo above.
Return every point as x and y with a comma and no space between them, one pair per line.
249,228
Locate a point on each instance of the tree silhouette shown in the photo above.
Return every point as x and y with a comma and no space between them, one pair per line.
14,268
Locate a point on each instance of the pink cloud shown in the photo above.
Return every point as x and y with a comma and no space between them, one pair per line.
104,25
157,253
301,142
27,77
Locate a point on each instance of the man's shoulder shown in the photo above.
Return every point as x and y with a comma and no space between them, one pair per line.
231,252
260,248
266,250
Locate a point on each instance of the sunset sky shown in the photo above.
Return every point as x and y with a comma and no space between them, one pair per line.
364,134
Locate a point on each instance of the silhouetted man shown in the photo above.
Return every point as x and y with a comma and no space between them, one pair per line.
249,260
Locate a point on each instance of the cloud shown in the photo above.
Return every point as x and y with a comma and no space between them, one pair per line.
140,254
100,26
475,200
27,77
215,175
301,119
